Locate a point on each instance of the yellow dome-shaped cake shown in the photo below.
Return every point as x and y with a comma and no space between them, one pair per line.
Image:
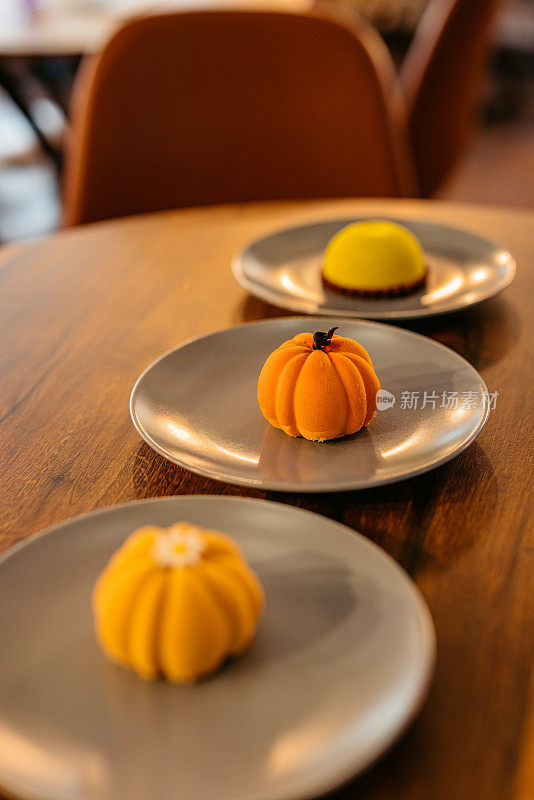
176,602
374,258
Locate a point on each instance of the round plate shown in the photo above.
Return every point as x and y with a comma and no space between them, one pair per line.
284,267
341,662
197,407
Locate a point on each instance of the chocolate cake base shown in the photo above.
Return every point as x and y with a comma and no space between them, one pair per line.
377,294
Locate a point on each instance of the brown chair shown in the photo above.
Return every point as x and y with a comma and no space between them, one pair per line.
441,79
209,107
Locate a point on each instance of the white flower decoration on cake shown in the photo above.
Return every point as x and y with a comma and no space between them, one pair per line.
181,545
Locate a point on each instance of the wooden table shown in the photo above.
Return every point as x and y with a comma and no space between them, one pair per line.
83,312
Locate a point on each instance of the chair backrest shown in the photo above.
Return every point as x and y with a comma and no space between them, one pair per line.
441,79
228,106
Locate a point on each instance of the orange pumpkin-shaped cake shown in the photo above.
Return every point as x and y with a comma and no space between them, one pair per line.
319,386
176,602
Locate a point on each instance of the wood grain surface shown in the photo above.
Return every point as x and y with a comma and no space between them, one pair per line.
82,313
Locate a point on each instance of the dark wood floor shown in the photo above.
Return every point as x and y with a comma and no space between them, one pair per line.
499,166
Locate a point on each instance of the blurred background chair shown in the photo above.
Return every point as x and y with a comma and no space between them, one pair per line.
441,77
40,52
209,107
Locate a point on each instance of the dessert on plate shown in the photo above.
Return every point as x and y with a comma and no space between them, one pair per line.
176,602
374,258
319,386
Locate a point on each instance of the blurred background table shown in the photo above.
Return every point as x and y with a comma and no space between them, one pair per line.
76,27
84,312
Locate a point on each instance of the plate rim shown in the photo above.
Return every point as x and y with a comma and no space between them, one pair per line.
346,768
302,307
347,486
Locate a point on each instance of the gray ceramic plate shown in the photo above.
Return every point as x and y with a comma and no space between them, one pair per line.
283,268
197,407
341,663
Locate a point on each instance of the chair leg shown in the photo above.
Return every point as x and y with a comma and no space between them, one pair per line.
11,85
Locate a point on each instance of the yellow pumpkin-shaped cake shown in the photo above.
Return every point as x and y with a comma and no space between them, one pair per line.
176,602
319,386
